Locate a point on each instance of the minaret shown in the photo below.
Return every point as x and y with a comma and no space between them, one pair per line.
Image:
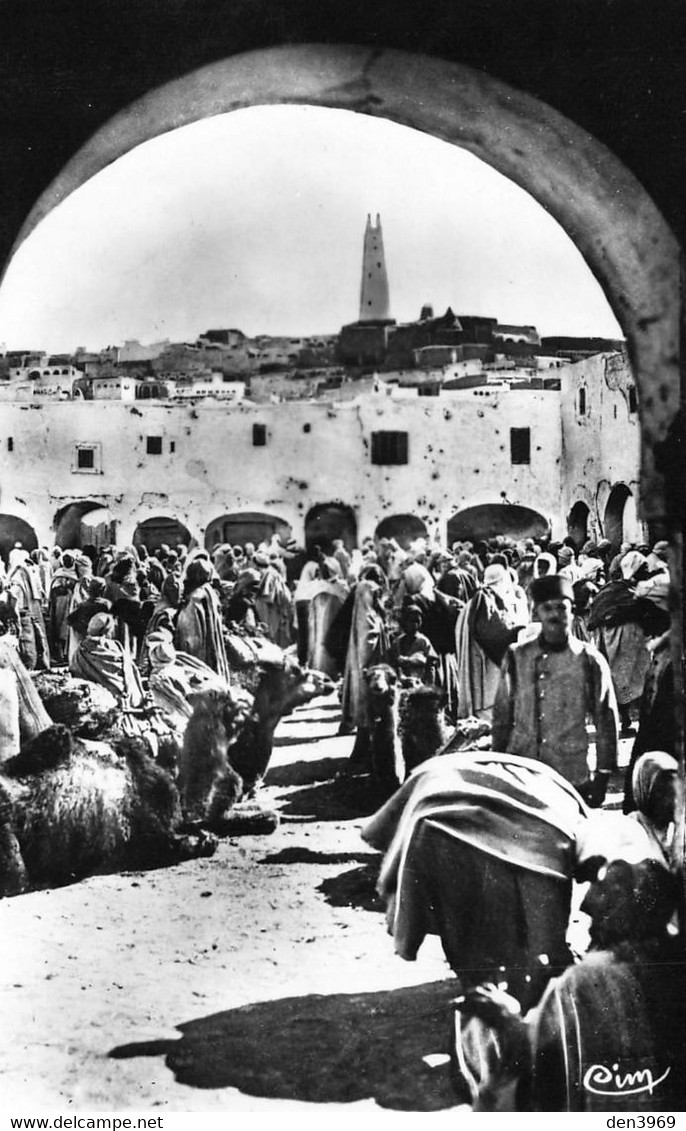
374,302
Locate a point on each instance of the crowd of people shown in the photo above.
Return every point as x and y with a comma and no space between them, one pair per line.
560,650
497,625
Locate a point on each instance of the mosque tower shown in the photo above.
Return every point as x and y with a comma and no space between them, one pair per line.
374,301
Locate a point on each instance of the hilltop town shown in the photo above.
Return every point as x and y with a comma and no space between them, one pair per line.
444,427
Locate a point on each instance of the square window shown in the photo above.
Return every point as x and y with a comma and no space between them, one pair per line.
389,448
153,445
87,458
520,445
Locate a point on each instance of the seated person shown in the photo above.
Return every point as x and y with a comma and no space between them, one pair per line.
102,659
175,678
609,1033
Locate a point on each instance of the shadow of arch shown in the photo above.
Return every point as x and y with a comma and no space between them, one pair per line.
405,528
246,526
14,529
338,1048
577,523
488,520
327,521
161,530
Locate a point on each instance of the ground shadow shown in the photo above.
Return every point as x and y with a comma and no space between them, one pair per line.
296,740
298,855
340,800
305,773
337,1048
356,888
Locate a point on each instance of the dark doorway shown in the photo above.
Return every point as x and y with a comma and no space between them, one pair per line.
328,521
405,528
82,523
155,532
614,514
577,524
246,526
13,529
476,524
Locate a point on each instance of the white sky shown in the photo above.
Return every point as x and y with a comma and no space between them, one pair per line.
255,220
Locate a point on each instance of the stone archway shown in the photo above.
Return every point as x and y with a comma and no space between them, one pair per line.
620,521
405,528
81,522
14,529
246,526
489,520
161,530
599,203
577,523
327,521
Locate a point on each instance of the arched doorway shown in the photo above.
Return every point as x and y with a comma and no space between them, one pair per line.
577,523
246,526
489,520
13,529
98,528
155,532
83,522
405,528
621,523
327,521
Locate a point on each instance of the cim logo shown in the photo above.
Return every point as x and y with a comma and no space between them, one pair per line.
604,1081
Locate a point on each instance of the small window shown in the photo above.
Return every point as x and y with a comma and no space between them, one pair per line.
259,435
614,411
389,447
633,399
172,446
153,445
307,427
582,402
10,444
85,459
520,445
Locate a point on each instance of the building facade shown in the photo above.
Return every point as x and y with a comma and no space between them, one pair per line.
525,459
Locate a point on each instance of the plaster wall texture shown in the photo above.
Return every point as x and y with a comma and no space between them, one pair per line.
602,446
459,455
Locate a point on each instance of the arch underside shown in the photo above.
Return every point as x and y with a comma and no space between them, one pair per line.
490,520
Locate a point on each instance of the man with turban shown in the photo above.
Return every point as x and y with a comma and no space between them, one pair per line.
102,659
199,625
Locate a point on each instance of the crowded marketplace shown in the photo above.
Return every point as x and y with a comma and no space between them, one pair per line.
508,709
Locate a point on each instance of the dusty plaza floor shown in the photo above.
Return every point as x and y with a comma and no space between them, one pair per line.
261,979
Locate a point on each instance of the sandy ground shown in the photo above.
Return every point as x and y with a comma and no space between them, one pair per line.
260,979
